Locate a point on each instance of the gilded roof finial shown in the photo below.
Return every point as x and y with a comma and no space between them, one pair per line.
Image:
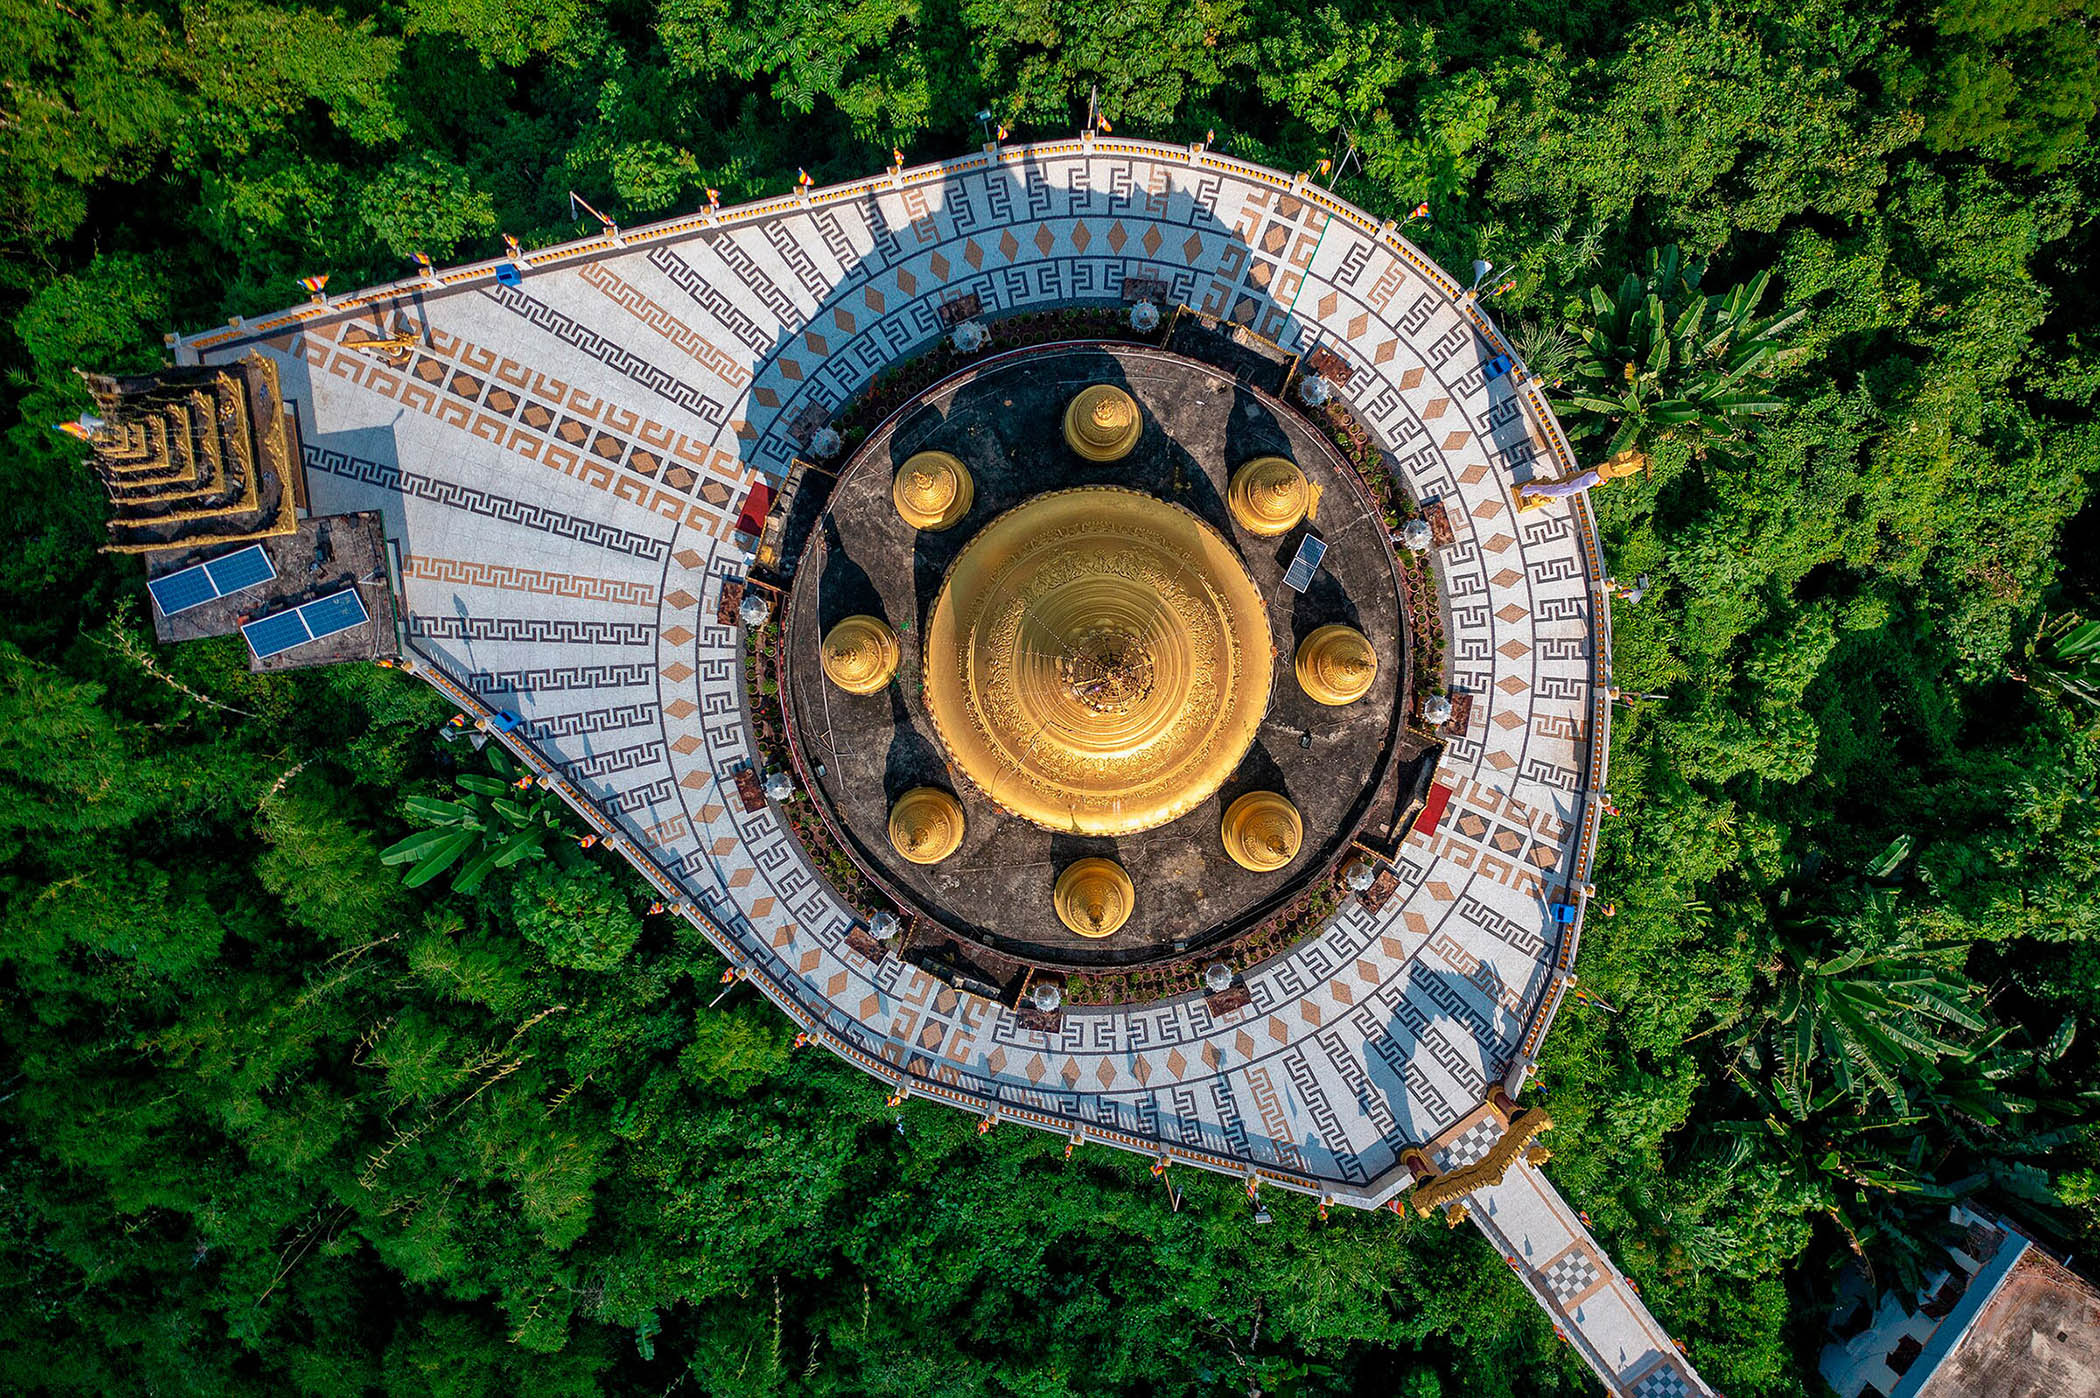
860,654
1336,665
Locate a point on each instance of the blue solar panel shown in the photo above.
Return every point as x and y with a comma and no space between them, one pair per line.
1310,552
247,568
275,634
178,592
193,587
324,616
339,612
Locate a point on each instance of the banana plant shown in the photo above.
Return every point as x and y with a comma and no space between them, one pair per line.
1662,360
2065,657
502,820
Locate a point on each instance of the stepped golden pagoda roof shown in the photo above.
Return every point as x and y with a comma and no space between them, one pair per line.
1102,423
860,654
1336,665
1268,496
933,491
926,825
1098,660
1093,896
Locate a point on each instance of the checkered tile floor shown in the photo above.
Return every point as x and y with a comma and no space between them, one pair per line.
1570,1275
1471,1146
1665,1381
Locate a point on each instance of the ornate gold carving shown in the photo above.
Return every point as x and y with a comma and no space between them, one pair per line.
1102,423
933,491
1093,896
1487,1172
1336,665
926,825
1262,831
1097,661
860,654
1268,496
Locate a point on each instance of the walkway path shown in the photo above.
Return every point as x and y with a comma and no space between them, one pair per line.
561,466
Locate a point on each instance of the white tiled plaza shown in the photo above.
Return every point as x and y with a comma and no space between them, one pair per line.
562,460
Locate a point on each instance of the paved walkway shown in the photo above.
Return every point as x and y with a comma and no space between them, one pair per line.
561,464
1594,1307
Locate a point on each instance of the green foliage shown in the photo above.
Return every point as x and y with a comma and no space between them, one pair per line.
2017,79
1665,362
578,916
504,821
733,1053
425,203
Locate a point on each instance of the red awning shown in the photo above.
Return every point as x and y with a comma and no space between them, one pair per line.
751,519
1433,808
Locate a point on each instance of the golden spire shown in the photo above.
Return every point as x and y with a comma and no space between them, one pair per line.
1102,423
860,654
926,825
1267,496
1262,831
1093,896
933,491
1336,665
1097,661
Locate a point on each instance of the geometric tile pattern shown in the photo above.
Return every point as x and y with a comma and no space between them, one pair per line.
560,464
1595,1309
1571,1274
1665,1380
1471,1146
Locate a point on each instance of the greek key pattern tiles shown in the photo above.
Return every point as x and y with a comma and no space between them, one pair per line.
562,460
502,577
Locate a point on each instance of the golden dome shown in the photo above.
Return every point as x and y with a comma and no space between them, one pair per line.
1102,423
933,491
860,654
1093,896
926,825
1098,661
1336,665
1262,831
1267,496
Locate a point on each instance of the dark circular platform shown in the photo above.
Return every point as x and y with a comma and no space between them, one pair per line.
1002,418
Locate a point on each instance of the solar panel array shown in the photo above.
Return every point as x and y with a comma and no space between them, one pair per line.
1310,552
207,582
311,621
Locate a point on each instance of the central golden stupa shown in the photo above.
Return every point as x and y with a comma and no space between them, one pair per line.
1098,660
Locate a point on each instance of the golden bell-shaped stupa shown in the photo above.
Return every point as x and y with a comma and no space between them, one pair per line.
933,491
1336,665
1093,896
926,825
860,654
1267,496
1097,661
1262,831
1102,423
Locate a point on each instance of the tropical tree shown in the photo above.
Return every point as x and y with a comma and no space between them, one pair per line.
2064,656
503,817
1662,360
1869,1174
1876,1021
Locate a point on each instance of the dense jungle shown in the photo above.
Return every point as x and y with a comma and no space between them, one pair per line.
272,1121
